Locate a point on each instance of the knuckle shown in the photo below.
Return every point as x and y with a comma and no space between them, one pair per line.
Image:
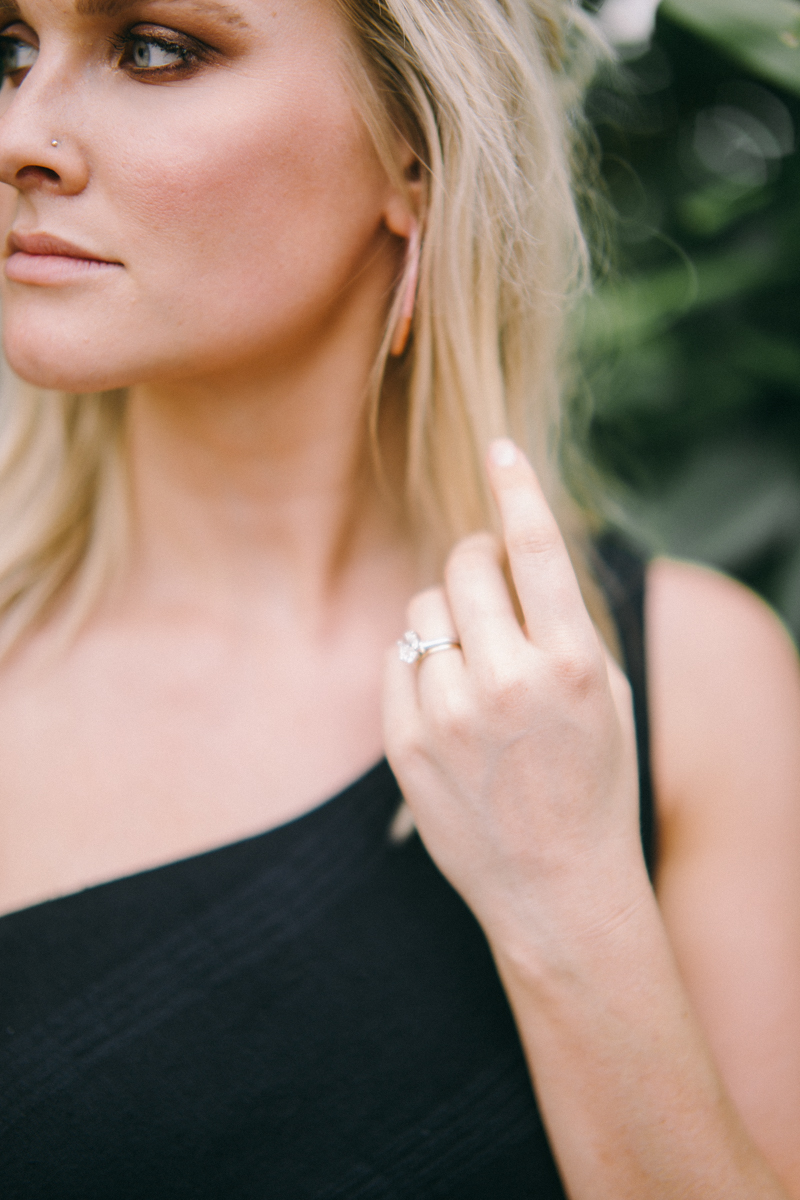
421,606
507,689
577,669
470,554
541,540
452,716
406,748
416,757
475,545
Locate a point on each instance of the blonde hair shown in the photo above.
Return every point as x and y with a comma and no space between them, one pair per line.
488,93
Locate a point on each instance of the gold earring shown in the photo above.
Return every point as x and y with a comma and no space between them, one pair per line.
405,317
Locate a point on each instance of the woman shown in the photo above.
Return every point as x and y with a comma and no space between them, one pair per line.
288,271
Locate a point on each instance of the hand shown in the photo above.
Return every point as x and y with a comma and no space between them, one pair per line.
517,753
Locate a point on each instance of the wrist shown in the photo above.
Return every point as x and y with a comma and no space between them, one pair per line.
581,915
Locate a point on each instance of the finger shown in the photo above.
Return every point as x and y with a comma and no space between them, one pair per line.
400,709
429,614
403,721
548,591
480,602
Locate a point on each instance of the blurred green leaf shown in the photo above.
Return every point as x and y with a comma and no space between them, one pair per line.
727,505
714,208
638,308
762,35
689,378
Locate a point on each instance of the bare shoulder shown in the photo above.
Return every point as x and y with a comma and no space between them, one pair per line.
724,690
725,701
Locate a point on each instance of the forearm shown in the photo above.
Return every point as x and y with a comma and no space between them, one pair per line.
630,1096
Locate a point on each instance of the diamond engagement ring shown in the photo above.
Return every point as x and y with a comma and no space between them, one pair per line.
411,647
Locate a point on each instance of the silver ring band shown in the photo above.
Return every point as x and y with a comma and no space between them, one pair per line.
411,647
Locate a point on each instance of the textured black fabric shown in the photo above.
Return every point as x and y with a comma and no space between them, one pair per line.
622,573
310,1014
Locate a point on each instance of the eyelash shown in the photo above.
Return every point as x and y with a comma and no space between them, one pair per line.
7,47
190,55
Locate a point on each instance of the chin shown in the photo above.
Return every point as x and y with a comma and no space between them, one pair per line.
57,364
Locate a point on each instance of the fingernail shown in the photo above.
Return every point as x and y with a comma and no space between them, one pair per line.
504,452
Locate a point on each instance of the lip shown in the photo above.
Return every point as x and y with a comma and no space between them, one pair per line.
44,259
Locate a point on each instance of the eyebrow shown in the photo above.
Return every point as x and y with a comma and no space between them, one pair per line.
9,9
113,8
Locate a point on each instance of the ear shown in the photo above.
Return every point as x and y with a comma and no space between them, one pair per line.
405,205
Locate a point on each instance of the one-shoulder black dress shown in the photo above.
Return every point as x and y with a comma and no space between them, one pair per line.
310,1014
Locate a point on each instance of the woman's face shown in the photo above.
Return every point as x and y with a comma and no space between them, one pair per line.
210,155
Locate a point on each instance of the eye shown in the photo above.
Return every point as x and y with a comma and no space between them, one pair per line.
149,54
157,53
15,56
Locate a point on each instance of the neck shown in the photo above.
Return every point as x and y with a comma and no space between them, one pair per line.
262,489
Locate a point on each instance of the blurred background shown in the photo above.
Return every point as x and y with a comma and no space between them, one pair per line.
690,347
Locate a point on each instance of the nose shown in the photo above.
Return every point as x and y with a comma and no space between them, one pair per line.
39,150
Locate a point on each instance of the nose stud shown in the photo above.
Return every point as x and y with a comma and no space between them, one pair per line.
54,142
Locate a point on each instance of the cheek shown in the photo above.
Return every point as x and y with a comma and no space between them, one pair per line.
244,212
254,218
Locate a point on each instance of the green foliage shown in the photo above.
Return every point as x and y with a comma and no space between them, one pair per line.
690,347
762,35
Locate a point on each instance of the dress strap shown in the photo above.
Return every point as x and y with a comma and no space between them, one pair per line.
621,572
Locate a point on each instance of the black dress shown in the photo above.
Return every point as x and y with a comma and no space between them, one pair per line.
310,1013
